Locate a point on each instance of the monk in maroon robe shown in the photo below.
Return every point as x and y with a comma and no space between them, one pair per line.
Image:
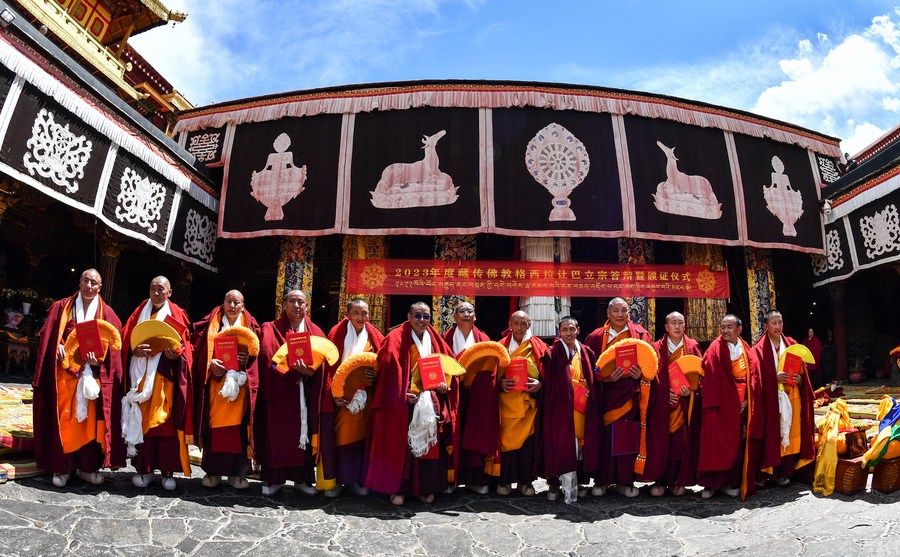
277,423
343,453
390,465
621,392
165,404
774,458
567,444
479,406
224,434
815,347
63,444
677,412
732,403
519,411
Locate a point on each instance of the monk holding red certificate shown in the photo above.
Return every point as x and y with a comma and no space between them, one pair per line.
403,421
678,412
519,409
343,455
621,397
282,449
158,398
570,414
479,406
77,423
787,392
732,402
223,423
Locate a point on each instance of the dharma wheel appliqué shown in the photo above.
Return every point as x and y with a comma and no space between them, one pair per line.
558,161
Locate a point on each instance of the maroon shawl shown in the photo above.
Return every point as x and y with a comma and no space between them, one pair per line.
387,437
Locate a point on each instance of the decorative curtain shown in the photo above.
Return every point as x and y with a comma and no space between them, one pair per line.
295,268
642,310
704,315
448,248
761,285
546,311
363,247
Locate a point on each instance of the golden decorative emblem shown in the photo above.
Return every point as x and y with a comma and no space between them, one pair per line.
226,357
432,375
373,276
299,352
627,363
706,281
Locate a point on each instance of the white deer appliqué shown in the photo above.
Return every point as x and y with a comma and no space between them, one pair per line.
416,184
685,194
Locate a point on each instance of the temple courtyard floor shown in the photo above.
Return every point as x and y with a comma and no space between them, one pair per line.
117,518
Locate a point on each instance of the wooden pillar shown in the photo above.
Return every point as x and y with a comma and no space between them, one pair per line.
295,269
363,247
839,319
641,309
110,250
448,248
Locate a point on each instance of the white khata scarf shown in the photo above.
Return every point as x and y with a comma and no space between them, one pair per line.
355,343
422,433
234,379
736,350
613,333
87,387
513,345
784,401
140,368
672,346
461,342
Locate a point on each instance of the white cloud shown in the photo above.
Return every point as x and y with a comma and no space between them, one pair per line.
861,136
831,87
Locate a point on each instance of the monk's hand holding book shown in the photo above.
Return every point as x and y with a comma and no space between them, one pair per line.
532,385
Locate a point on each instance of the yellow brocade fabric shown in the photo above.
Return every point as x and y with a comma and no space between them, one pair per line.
826,460
74,434
157,409
577,376
349,428
793,393
612,415
518,409
223,412
676,415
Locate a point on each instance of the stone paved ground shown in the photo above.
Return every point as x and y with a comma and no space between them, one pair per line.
119,519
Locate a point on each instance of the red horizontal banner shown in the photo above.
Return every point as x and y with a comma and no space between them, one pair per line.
523,278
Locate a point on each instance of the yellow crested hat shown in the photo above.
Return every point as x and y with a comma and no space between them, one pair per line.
448,363
158,334
323,351
692,367
482,356
533,370
109,337
246,338
351,375
648,361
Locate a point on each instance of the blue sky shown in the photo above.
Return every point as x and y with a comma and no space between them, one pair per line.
831,66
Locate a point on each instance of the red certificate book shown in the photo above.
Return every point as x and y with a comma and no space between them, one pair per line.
581,397
226,349
793,365
179,327
88,334
626,356
677,378
742,391
299,347
432,372
518,370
